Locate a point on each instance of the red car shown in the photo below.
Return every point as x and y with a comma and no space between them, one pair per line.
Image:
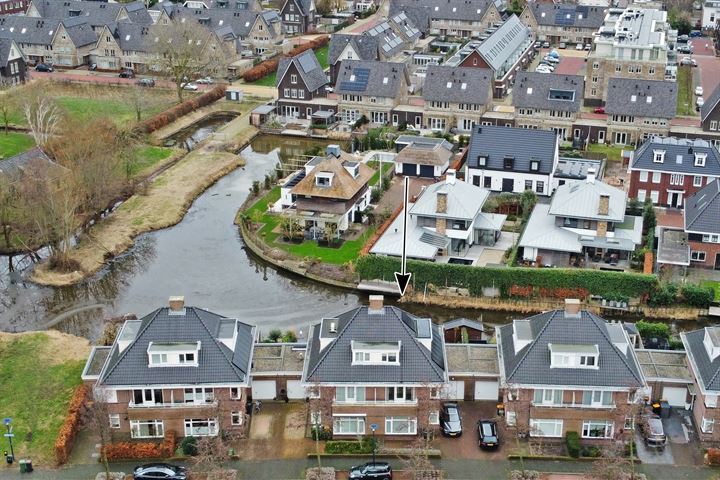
599,110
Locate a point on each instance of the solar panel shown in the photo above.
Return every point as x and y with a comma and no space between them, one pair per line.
561,17
306,62
362,75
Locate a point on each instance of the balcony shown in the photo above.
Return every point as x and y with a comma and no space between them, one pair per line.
573,405
390,403
205,404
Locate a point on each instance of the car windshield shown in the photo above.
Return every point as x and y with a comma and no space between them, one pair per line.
452,415
487,430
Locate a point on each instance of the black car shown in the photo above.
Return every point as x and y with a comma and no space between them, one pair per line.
371,471
146,82
487,434
154,471
43,67
127,74
450,420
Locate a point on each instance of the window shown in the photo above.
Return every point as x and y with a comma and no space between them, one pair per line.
389,358
400,425
710,238
588,361
286,92
700,159
114,420
595,429
348,425
187,358
301,93
597,398
539,187
146,429
508,163
349,394
644,176
629,423
528,184
618,68
657,176
362,357
534,165
399,394
697,256
511,418
655,197
677,179
713,124
658,156
434,418
147,396
234,393
707,425
651,70
201,427
547,397
596,65
697,181
158,359
236,418
546,428
199,395
482,160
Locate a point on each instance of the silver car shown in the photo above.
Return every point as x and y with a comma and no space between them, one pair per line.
653,432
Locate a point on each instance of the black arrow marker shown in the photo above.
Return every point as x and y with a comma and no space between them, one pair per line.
402,278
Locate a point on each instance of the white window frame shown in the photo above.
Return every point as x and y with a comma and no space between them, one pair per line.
434,417
658,156
359,422
597,398
114,419
700,159
349,394
713,125
510,418
608,426
641,195
293,78
643,175
199,395
536,431
194,427
235,393
548,396
707,425
697,181
656,177
236,418
698,256
135,427
655,196
409,425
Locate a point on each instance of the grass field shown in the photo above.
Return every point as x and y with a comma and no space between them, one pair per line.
345,253
714,285
148,156
12,143
613,152
685,98
376,176
38,373
269,80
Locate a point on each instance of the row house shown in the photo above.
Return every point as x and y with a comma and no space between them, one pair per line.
418,15
632,43
710,14
710,118
701,215
703,356
639,109
553,383
506,51
13,69
370,89
456,97
508,159
457,18
97,14
302,87
376,364
584,225
13,7
178,368
668,170
299,17
351,47
548,102
563,23
227,4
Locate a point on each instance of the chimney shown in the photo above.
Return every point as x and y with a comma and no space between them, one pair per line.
450,176
376,304
590,175
604,206
441,202
572,307
177,304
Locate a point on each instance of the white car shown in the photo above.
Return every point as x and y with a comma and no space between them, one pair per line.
699,102
189,86
699,91
543,69
551,59
579,46
205,81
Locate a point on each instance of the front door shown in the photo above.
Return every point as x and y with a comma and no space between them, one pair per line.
601,136
620,138
508,184
675,199
717,261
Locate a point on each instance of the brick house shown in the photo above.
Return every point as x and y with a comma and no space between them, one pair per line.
702,226
710,118
299,17
301,84
457,18
13,7
668,170
703,356
569,370
178,368
562,23
376,364
13,69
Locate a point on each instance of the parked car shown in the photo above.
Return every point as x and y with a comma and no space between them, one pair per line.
154,471
487,434
579,46
545,66
371,471
205,81
551,59
554,53
127,74
699,102
688,61
538,44
695,33
683,39
189,86
588,47
562,45
546,44
687,48
43,67
652,431
599,110
146,82
543,70
699,91
450,420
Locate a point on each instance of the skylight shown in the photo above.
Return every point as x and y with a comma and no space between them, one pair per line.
566,95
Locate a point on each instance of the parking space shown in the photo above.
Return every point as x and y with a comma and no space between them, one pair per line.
708,70
572,62
682,447
466,446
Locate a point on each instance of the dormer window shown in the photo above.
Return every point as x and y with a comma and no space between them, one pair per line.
323,179
173,354
712,342
375,353
700,159
534,165
573,356
658,156
508,163
482,160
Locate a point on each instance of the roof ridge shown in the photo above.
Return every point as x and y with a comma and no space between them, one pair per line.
138,335
428,355
217,342
534,342
334,342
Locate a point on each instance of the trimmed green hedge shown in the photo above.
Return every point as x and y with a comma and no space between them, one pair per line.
597,282
572,439
363,446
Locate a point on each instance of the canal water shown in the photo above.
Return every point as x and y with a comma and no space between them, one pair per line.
202,258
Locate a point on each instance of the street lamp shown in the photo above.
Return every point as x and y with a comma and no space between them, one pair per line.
373,427
7,421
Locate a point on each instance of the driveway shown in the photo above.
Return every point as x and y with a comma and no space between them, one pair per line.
278,431
682,447
466,446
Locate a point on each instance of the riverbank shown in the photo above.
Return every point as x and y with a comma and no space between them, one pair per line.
164,203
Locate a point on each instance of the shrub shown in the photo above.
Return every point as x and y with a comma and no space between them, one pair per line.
676,344
189,446
325,434
697,296
713,456
362,446
68,431
592,452
170,115
653,329
572,439
132,450
663,295
524,475
631,448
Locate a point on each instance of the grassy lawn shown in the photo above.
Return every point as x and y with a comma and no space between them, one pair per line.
715,286
119,110
320,53
613,152
267,81
346,253
685,98
38,373
13,143
147,156
376,176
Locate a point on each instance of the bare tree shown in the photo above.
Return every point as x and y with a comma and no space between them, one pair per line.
97,418
319,402
10,204
213,451
141,102
8,104
43,117
417,463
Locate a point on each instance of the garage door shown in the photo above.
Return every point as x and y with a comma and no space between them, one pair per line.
409,169
263,389
457,390
427,171
486,390
675,396
295,390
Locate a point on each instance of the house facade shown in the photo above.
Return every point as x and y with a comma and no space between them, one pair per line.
563,23
178,368
299,17
504,159
710,115
375,364
456,18
13,7
703,356
553,383
702,226
301,84
668,170
710,14
13,69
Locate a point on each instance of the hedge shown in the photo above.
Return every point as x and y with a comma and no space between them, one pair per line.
132,450
552,280
66,436
267,67
713,456
168,116
572,439
365,445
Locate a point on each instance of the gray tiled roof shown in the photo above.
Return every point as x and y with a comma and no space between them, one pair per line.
30,30
457,84
333,364
679,156
241,21
217,363
463,10
707,371
133,37
503,44
419,15
16,165
96,13
538,91
567,15
80,32
375,84
5,45
628,96
702,209
710,104
531,365
524,145
365,47
309,68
